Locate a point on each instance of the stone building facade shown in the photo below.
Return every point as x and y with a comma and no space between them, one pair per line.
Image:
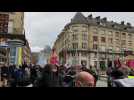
93,41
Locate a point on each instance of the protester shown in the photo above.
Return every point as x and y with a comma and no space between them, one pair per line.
70,76
4,75
91,72
49,77
84,79
62,73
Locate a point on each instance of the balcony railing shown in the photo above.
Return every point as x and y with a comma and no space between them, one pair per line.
13,36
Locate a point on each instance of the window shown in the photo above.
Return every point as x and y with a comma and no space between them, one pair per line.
117,34
10,27
95,38
110,40
103,39
66,42
130,44
110,49
123,42
129,35
95,31
75,30
129,41
13,52
102,32
73,54
83,54
95,55
102,56
84,36
117,48
117,41
95,46
103,48
124,35
4,23
2,59
75,37
68,46
84,45
110,33
75,45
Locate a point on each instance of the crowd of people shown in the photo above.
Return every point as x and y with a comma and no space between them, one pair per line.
118,74
58,75
48,76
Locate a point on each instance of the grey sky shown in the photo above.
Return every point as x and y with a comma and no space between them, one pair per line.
42,28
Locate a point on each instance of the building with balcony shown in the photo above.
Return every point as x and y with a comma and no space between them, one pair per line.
93,41
11,29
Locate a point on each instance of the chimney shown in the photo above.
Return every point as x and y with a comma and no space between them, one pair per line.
98,18
104,19
90,16
128,24
122,22
71,19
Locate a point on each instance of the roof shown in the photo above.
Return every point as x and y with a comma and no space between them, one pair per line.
79,18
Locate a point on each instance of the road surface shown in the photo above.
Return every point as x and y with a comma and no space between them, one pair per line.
101,83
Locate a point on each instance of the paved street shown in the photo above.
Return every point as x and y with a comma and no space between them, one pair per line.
102,82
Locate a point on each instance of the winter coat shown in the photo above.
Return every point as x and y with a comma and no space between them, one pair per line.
48,80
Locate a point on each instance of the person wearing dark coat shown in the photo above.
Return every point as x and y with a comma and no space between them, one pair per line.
33,74
49,77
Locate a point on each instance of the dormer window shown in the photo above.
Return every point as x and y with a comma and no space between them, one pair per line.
98,18
113,25
90,16
125,28
122,23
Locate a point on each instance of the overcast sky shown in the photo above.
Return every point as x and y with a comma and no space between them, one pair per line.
42,28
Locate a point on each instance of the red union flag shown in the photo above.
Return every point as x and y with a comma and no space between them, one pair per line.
54,58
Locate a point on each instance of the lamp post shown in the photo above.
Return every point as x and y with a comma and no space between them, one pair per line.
112,58
98,64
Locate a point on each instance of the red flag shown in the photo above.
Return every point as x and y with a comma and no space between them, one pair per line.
54,58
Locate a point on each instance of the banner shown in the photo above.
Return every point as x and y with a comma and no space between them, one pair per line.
19,56
130,63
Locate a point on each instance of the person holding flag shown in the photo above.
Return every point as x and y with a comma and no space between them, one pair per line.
54,58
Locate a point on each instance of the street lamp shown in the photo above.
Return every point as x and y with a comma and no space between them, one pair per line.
98,64
112,58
